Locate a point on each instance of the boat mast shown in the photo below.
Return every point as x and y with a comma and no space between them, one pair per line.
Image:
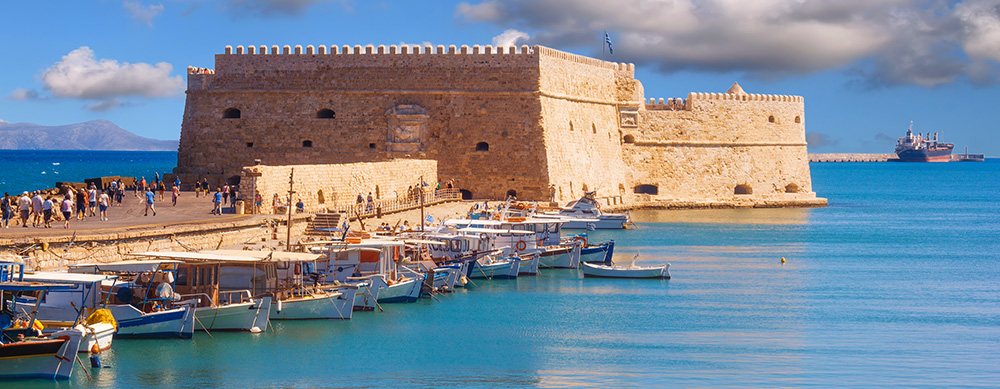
288,233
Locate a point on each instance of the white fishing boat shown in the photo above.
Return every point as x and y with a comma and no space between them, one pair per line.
586,213
68,308
625,271
142,299
491,267
23,353
314,305
215,310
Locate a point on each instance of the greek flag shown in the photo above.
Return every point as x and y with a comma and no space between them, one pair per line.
591,227
607,39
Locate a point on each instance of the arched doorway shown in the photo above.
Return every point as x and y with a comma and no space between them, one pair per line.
743,190
466,194
647,189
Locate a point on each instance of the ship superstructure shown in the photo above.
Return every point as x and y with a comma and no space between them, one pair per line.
920,148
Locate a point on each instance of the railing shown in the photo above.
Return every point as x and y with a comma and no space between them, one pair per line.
384,206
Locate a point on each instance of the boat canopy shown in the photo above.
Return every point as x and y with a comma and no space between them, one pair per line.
282,256
182,256
19,286
137,266
424,241
477,230
72,278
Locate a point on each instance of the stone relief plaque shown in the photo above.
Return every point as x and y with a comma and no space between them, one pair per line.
407,128
629,116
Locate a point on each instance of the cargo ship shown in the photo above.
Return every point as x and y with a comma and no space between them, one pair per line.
918,148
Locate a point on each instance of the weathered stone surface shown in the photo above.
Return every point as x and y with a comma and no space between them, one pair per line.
523,120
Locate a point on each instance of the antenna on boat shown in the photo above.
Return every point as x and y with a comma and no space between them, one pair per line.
288,234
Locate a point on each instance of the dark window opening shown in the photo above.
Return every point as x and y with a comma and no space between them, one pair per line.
307,143
798,119
482,146
231,113
629,139
371,145
326,114
647,189
743,190
249,144
770,119
466,194
791,188
593,127
511,193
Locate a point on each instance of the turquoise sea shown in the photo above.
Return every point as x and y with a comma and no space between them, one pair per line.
896,283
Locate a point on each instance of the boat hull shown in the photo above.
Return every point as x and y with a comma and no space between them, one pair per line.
603,223
506,269
50,359
401,292
601,252
925,155
251,316
529,267
171,323
325,306
605,271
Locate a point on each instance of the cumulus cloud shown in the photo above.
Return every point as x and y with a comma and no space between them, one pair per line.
80,75
278,7
141,13
510,37
885,42
820,141
23,94
105,105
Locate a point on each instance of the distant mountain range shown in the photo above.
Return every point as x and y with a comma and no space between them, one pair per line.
92,135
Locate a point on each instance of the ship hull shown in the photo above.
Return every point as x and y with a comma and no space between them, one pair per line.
925,155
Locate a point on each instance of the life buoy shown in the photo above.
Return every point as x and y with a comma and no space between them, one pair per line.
581,239
521,245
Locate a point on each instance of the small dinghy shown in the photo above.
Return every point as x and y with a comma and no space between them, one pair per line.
625,271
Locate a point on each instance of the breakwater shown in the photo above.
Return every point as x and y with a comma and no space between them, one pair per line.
851,157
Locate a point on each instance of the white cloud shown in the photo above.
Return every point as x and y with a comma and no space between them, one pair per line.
510,37
23,94
144,14
80,75
887,41
105,105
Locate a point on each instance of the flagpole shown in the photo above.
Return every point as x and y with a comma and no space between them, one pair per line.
603,44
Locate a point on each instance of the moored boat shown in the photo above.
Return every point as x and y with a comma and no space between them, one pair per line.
625,271
918,148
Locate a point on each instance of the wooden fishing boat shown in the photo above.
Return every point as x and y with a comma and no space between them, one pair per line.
622,271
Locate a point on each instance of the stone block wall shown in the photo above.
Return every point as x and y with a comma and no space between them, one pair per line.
329,186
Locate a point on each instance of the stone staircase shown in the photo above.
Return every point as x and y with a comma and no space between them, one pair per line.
324,224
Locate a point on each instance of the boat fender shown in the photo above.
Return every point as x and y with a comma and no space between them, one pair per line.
95,361
521,245
279,306
581,239
298,268
125,295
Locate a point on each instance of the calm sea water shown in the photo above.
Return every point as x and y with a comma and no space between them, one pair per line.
896,283
22,170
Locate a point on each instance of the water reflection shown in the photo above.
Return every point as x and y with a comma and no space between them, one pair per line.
791,216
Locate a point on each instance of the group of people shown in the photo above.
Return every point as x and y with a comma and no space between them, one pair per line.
41,207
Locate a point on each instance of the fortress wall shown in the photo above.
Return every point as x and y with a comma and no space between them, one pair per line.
719,141
580,98
340,184
374,71
468,98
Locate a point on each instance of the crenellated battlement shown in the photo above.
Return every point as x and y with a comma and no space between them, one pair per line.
197,70
379,50
744,97
670,104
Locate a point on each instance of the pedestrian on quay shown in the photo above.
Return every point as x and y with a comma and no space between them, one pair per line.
24,207
217,202
113,187
258,201
36,209
162,189
175,192
204,187
47,206
81,205
150,198
371,203
197,188
177,181
92,200
67,210
120,193
135,184
104,201
6,210
225,194
361,201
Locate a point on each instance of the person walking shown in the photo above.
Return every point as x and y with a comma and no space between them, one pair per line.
36,209
92,200
150,198
204,187
217,202
175,192
81,205
5,209
104,201
67,210
225,194
47,206
24,207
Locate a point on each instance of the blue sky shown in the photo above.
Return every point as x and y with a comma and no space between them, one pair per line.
866,67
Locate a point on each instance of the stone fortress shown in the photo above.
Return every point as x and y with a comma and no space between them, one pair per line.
534,122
